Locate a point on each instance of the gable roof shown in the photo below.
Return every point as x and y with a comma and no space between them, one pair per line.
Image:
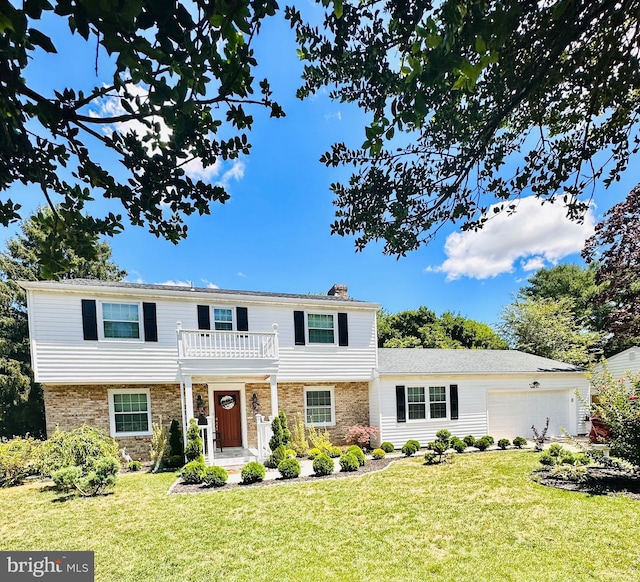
437,361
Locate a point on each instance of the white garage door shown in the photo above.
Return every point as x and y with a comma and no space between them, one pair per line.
511,414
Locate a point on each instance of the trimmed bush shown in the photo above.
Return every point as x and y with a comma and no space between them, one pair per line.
414,443
361,435
176,448
438,447
547,459
252,473
431,458
409,448
323,465
66,478
489,438
289,468
357,452
482,444
504,443
215,476
349,462
193,448
470,440
378,454
444,435
519,442
277,456
457,444
17,460
101,477
313,453
193,472
387,447
134,466
334,452
174,462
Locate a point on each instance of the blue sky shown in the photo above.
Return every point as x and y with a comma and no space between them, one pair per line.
274,232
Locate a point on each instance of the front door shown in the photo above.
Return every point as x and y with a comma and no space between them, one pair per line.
227,410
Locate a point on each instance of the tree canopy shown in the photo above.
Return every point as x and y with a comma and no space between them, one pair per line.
21,405
422,328
615,250
172,75
473,103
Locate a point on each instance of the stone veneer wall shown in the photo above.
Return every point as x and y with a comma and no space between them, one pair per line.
68,407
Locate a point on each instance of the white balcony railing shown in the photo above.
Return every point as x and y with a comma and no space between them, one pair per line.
227,344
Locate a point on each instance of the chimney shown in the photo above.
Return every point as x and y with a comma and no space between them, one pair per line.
339,291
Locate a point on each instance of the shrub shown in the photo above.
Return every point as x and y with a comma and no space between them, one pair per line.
323,465
101,477
313,453
334,452
176,448
159,446
193,472
387,447
414,443
320,440
555,450
252,473
569,472
349,462
489,438
281,433
193,448
17,460
457,444
82,447
378,454
438,447
278,455
409,448
298,440
470,440
361,435
66,478
289,468
482,444
356,451
134,466
215,476
174,462
504,443
430,458
547,459
540,437
519,442
443,435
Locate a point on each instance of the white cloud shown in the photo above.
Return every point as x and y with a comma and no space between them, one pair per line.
134,277
241,274
536,235
337,115
208,284
173,283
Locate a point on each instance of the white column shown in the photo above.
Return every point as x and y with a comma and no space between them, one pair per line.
188,396
274,395
211,427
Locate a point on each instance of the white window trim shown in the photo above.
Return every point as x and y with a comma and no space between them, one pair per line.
334,314
101,336
112,413
427,410
226,308
329,389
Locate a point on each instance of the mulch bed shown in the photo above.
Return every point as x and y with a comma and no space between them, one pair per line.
371,466
597,481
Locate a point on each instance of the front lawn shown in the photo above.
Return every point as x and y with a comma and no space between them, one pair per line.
480,518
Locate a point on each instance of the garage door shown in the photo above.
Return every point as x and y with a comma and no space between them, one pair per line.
512,413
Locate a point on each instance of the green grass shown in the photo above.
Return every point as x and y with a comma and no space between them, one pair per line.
480,518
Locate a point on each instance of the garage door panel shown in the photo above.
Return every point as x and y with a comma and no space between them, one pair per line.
512,414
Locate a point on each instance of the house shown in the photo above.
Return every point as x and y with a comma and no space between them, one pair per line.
122,356
623,362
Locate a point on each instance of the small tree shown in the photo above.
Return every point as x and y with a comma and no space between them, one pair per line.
193,450
281,433
176,448
299,441
539,437
159,445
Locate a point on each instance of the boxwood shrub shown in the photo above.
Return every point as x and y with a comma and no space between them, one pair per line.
504,443
387,447
193,472
357,452
334,452
482,444
409,448
323,465
289,468
378,454
215,476
470,440
252,473
519,442
313,453
349,462
457,444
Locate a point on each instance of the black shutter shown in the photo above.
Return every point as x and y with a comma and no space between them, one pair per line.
298,326
150,322
453,397
401,406
242,319
343,330
204,317
89,319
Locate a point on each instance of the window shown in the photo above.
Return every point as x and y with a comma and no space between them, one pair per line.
130,412
319,407
320,328
121,320
417,405
222,319
438,402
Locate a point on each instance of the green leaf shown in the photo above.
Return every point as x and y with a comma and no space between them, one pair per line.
338,8
41,40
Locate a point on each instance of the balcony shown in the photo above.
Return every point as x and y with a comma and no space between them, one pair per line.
227,345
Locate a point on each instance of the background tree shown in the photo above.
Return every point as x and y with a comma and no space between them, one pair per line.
456,89
21,404
422,328
615,249
547,327
171,75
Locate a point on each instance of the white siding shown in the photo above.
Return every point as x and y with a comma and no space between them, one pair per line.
61,355
626,361
473,403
